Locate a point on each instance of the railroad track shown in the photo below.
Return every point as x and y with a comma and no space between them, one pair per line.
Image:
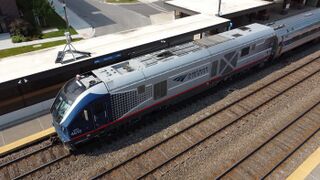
172,147
33,161
7,162
274,151
152,159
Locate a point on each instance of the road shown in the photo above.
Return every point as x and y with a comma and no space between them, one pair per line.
107,18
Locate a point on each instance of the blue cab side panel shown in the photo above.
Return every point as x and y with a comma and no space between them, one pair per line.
75,123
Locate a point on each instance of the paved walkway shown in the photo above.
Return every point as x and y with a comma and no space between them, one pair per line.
6,43
152,4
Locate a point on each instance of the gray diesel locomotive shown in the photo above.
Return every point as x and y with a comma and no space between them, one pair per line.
100,100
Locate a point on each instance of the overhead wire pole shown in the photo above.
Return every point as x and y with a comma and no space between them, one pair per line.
219,8
68,48
65,14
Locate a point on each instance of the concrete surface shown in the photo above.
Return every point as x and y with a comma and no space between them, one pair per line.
210,7
22,130
81,26
162,18
107,18
315,174
25,141
309,169
39,61
142,8
25,114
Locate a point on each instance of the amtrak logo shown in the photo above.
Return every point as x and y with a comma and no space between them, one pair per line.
180,78
191,75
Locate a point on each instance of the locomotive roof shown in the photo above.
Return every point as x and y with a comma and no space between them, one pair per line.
149,65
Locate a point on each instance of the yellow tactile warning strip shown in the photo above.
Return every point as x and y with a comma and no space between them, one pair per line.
26,141
306,167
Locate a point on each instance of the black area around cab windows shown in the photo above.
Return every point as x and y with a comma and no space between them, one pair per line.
98,107
245,51
160,90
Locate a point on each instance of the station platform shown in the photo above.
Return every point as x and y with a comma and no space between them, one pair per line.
309,169
11,68
25,133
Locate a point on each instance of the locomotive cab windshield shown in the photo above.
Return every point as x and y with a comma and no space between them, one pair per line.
67,95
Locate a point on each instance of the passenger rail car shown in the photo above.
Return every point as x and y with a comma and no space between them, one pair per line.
102,99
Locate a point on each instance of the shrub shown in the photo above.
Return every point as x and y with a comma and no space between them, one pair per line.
20,27
18,38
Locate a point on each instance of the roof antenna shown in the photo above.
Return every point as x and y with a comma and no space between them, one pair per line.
69,48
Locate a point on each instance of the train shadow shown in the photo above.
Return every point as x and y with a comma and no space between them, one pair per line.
162,119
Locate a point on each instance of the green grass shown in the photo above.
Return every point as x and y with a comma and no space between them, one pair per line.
121,1
25,49
55,21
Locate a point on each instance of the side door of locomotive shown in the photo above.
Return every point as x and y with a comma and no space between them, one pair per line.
99,113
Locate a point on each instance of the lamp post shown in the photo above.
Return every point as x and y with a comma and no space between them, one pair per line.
65,14
219,8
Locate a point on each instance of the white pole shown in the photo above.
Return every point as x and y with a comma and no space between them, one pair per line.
219,8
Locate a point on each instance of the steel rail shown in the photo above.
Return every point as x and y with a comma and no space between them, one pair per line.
223,128
267,141
42,166
26,155
290,154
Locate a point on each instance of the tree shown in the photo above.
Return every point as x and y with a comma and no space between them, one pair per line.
42,9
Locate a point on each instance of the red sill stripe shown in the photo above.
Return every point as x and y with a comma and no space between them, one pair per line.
137,112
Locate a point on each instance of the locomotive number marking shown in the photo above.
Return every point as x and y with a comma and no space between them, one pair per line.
76,131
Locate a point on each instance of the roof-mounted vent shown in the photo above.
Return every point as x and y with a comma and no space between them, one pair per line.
236,35
92,82
165,54
244,28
